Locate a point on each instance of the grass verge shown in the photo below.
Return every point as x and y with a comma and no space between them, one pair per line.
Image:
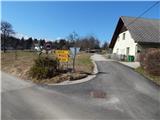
155,79
84,63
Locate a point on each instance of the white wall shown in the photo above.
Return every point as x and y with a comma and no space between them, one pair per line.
121,45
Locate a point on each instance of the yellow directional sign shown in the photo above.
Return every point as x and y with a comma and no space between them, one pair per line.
63,59
62,52
62,55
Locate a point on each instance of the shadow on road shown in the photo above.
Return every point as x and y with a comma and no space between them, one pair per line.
101,72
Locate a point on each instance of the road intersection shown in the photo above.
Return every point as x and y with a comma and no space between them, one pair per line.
122,94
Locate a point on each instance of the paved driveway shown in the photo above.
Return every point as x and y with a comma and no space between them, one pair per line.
117,92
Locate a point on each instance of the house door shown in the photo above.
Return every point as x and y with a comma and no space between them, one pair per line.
127,51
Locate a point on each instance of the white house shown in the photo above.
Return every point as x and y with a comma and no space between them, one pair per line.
133,35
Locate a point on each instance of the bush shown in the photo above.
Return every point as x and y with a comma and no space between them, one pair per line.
150,61
44,67
142,59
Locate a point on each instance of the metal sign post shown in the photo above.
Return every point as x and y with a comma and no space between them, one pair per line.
74,58
74,51
63,57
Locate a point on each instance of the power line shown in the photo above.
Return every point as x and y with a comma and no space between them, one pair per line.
143,13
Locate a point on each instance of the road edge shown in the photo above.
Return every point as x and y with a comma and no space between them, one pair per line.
152,82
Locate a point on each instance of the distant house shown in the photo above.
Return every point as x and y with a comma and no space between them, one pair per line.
133,35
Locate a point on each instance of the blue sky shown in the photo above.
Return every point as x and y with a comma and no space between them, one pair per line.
51,20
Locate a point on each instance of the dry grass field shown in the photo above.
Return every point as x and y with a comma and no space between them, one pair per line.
19,63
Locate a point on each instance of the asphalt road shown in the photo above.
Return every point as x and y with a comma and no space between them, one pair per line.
116,93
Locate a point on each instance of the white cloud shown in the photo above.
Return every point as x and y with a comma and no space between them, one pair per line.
46,39
19,35
58,38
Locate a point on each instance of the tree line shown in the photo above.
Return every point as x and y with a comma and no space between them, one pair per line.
8,41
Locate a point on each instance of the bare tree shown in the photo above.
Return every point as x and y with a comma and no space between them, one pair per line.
6,30
89,42
105,46
72,38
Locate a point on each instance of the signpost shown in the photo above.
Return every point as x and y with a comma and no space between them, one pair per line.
48,46
62,55
74,51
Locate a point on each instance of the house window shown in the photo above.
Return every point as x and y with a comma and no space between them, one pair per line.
124,35
127,51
